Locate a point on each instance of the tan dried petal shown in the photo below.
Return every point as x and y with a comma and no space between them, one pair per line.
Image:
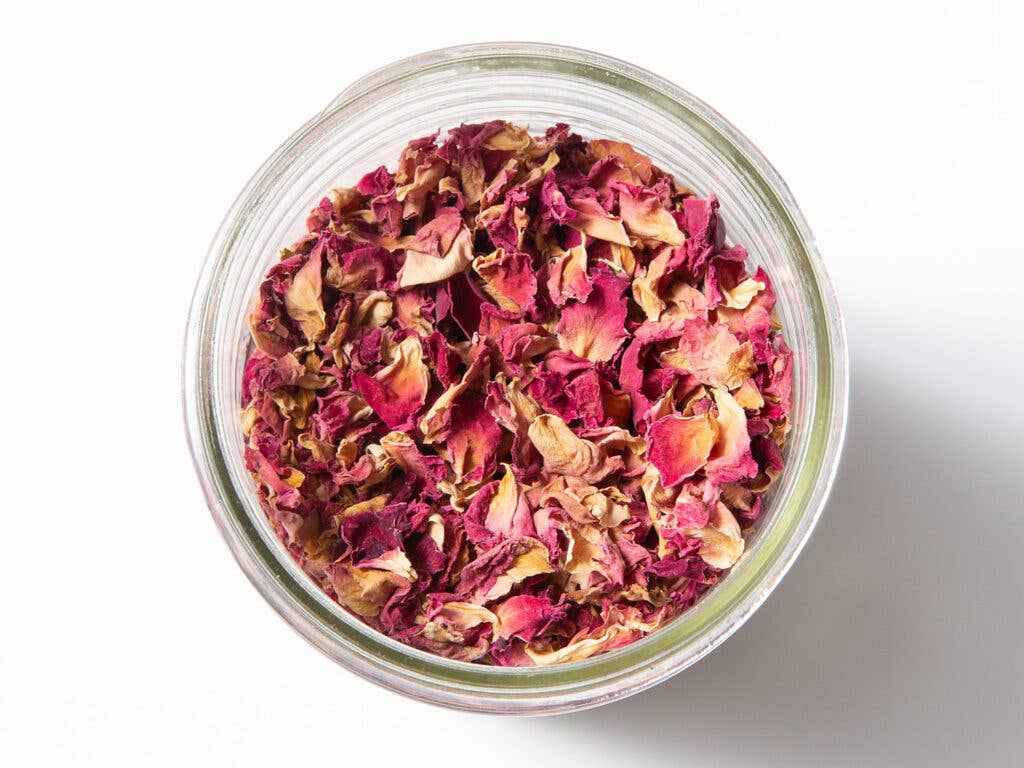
609,506
721,539
303,299
373,504
424,268
645,217
505,502
740,296
463,616
407,375
407,305
733,438
395,561
425,179
584,555
511,138
564,452
683,302
436,530
645,288
749,396
638,164
623,259
365,590
529,563
375,310
593,221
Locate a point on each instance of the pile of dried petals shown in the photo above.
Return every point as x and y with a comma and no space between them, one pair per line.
515,403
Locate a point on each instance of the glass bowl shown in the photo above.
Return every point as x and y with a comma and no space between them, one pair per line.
534,85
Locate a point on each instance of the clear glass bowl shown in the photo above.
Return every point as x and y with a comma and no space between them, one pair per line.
534,85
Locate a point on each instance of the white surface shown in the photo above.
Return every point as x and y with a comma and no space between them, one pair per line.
131,638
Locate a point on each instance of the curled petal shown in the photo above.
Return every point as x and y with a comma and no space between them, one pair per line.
365,590
495,572
375,310
646,287
567,276
721,539
565,453
594,221
730,459
424,267
638,164
407,455
304,302
400,388
644,215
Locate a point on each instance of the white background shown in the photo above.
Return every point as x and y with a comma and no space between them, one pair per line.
129,635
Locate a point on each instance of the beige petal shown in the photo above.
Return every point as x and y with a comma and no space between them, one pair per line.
721,540
639,165
749,396
733,438
645,289
505,502
684,302
425,179
646,217
365,590
530,563
424,268
394,560
303,299
564,452
373,504
742,294
463,616
374,311
407,375
596,222
511,138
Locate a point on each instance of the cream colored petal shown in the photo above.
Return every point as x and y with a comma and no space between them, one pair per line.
645,289
504,503
749,396
303,299
424,268
594,221
564,453
741,296
375,310
425,179
436,530
511,138
721,539
365,590
463,616
394,560
645,217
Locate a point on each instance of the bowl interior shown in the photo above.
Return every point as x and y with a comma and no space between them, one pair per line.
367,126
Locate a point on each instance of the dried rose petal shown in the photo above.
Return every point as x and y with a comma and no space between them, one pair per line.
679,446
594,329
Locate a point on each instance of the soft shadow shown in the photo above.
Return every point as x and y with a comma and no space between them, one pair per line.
893,640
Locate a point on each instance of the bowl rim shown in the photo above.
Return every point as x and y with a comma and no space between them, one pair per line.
562,687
